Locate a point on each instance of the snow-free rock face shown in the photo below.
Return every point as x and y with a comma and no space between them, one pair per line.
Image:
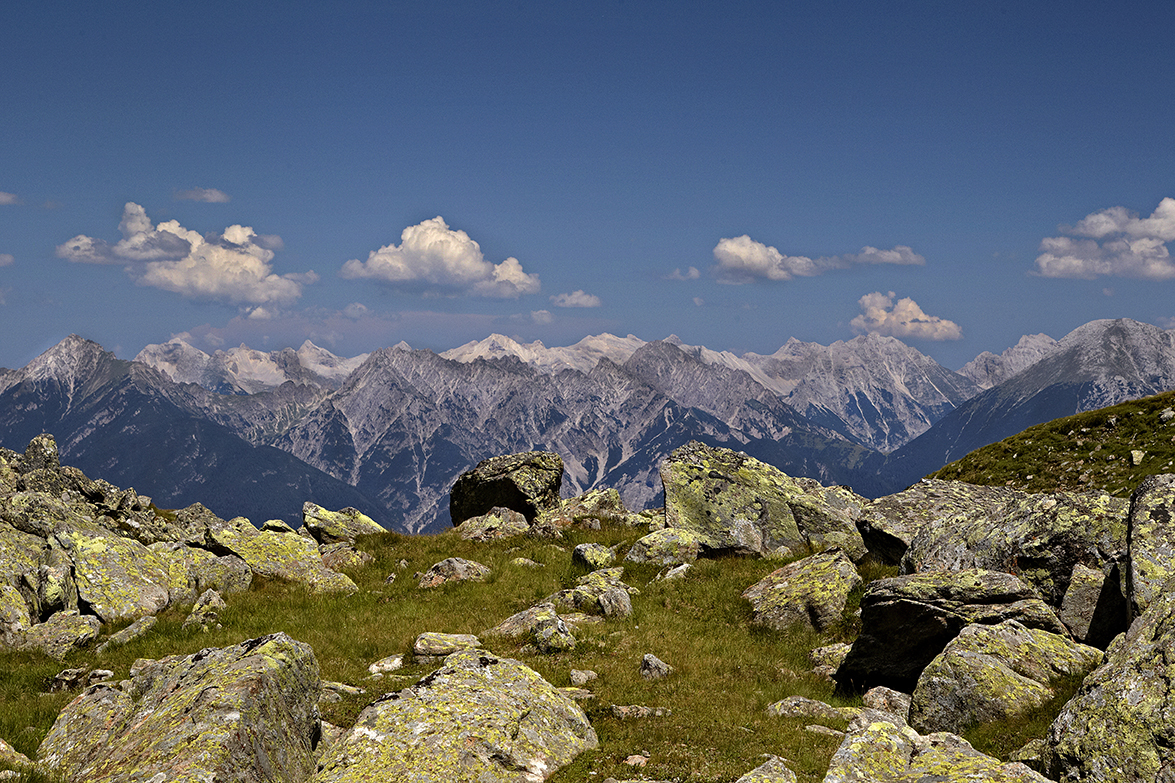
739,504
988,369
1118,727
242,713
477,718
1151,541
906,621
527,483
991,672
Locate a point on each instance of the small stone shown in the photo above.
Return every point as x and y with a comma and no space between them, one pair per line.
580,677
638,711
888,700
525,562
653,668
593,556
454,569
636,761
1137,456
387,665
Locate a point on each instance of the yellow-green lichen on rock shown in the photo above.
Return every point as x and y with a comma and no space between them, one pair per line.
244,713
279,556
812,592
334,527
478,718
990,672
1151,540
1118,727
739,504
668,546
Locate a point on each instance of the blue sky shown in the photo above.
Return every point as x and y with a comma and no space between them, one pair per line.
957,174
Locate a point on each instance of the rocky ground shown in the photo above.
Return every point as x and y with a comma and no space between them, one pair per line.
759,627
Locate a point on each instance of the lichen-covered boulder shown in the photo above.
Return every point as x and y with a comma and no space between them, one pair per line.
434,644
991,672
907,620
600,592
541,624
62,633
118,578
528,483
277,555
774,770
668,546
1094,608
1151,541
741,505
454,569
242,713
342,556
14,616
888,524
133,631
590,509
205,612
880,751
20,553
1118,727
1039,538
496,523
812,592
592,556
478,718
336,527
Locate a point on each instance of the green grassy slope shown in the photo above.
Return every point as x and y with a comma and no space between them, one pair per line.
1110,449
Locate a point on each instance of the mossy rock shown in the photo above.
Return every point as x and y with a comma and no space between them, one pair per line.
811,592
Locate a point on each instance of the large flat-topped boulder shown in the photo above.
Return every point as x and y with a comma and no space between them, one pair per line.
478,718
275,555
244,713
741,505
335,527
1038,537
527,483
907,620
811,592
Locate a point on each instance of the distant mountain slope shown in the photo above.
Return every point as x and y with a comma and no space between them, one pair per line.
407,423
988,370
875,390
1109,449
244,370
1096,365
125,422
582,356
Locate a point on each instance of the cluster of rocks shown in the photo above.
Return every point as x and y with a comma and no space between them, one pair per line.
76,553
1001,595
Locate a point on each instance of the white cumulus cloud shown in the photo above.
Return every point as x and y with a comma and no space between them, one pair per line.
880,314
541,316
690,274
207,195
577,298
233,266
742,260
1113,242
435,257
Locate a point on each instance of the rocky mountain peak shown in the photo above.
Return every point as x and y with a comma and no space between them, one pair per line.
73,360
988,370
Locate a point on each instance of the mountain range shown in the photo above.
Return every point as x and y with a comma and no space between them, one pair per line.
257,433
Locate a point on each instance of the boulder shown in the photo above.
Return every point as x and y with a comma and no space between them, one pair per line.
774,770
339,556
811,592
541,624
669,546
118,578
454,569
1039,538
496,523
888,700
20,553
992,672
133,631
653,668
337,527
589,510
276,555
478,718
241,713
592,556
433,646
14,616
61,634
741,505
527,483
205,613
907,620
1094,608
600,592
1118,726
1151,541
880,751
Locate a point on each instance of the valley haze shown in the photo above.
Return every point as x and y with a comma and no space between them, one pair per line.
255,433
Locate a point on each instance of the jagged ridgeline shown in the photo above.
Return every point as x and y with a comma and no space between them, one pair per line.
947,632
1110,449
